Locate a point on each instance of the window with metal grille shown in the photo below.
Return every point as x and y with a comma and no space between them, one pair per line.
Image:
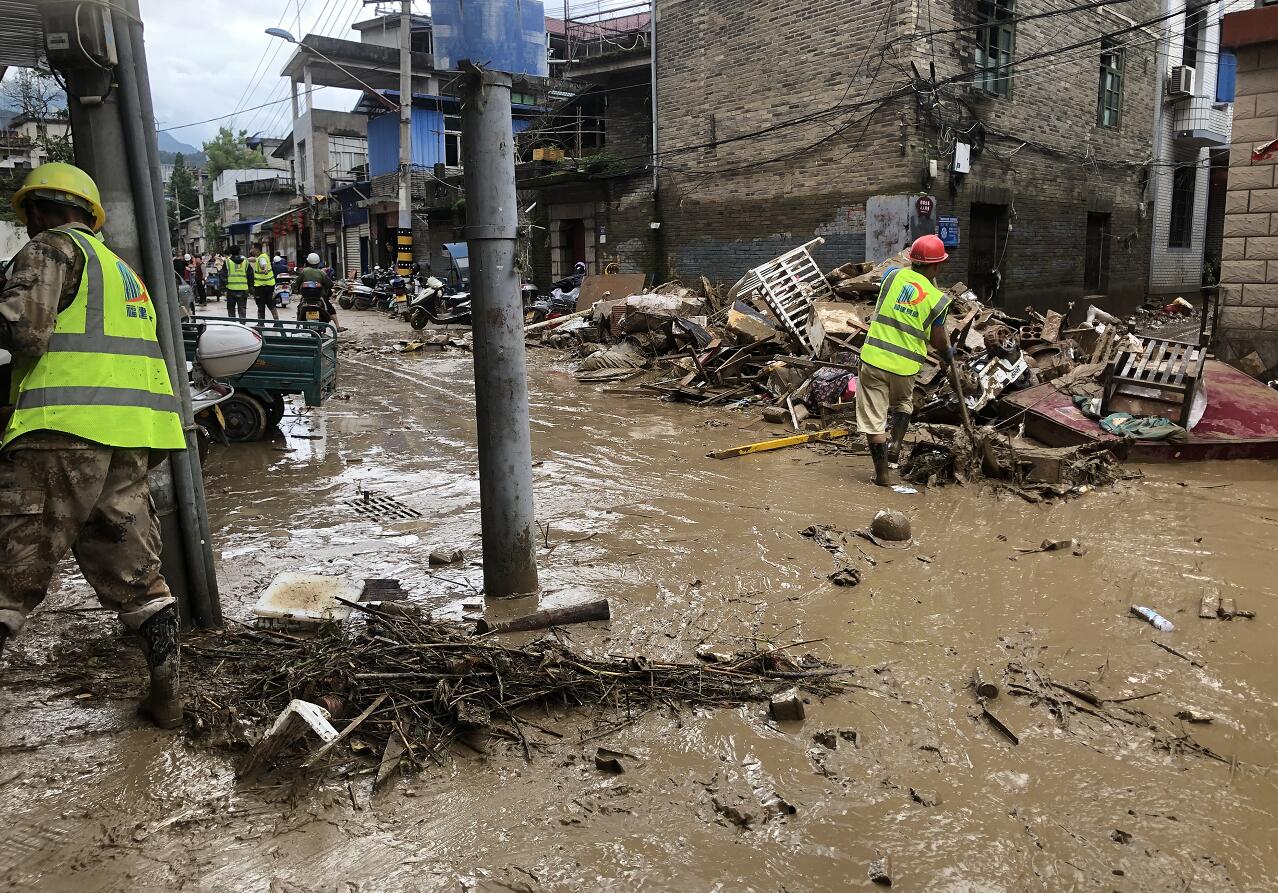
995,42
1110,113
1180,233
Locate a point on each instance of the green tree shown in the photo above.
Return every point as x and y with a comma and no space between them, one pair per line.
184,198
225,152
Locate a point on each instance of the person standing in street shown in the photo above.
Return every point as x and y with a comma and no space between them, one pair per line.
264,285
910,315
195,276
90,409
237,284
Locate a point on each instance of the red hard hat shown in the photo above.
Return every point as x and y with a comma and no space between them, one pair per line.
928,250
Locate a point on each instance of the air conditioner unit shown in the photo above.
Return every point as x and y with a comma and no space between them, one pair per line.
1181,82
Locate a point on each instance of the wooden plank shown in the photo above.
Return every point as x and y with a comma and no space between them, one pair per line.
781,443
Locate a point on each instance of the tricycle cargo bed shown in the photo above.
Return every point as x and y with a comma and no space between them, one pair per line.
297,357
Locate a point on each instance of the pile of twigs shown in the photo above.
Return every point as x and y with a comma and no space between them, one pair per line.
436,683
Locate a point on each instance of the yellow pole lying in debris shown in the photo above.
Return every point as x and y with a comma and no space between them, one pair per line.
781,443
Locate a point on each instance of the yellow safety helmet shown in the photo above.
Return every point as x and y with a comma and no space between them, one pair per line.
60,182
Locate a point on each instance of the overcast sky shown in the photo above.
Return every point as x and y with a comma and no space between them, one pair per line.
209,58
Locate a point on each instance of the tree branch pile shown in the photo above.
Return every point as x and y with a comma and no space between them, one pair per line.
439,684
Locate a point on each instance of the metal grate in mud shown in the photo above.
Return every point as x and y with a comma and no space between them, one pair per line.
382,507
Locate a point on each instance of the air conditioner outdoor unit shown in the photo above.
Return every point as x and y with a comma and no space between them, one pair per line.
1181,81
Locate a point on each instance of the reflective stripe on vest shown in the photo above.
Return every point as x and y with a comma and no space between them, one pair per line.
237,275
103,377
908,307
263,277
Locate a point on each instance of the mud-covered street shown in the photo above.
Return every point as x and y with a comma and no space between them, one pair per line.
1116,795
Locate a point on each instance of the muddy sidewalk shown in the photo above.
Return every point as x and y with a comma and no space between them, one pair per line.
1112,790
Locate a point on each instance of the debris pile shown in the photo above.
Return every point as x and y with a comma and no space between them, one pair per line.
947,454
416,686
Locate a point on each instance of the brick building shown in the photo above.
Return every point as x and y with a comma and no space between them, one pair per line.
782,121
1249,272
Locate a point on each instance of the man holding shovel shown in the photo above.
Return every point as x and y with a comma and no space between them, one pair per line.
909,315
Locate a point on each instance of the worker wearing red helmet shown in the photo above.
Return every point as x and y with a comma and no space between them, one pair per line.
909,316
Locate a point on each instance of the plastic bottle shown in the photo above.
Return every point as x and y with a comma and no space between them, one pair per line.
1161,623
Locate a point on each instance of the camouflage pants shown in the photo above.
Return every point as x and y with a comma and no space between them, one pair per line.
60,493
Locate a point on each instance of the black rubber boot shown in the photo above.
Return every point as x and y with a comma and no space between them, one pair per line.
163,702
900,427
882,475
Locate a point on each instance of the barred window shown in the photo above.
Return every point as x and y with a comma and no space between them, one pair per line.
995,42
1180,233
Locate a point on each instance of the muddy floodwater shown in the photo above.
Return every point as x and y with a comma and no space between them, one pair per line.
1121,795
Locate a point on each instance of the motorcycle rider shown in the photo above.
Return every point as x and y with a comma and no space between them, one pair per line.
313,285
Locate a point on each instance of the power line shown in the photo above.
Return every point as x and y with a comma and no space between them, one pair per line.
231,114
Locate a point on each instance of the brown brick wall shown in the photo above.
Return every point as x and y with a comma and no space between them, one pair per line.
727,68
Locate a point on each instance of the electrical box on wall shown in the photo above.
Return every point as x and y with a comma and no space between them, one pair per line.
962,158
79,34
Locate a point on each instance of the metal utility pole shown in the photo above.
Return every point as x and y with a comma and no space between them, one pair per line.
501,384
404,235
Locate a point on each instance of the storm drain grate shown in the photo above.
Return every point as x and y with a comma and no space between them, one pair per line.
381,507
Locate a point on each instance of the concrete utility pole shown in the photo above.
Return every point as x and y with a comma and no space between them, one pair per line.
404,237
501,384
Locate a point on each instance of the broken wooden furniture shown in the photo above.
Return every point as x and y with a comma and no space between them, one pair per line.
790,285
1164,370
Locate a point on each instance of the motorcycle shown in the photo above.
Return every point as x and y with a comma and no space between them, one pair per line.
432,304
282,295
311,305
562,300
223,350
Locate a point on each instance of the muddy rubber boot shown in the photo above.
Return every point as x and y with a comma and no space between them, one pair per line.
882,475
163,702
900,427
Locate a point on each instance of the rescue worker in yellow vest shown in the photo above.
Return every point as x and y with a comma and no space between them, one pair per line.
264,285
237,284
910,315
88,410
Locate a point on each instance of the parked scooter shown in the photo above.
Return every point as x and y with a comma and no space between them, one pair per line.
224,350
433,304
562,300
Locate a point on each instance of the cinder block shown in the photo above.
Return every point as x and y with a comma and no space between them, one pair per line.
1258,176
1257,295
1262,248
1257,81
1241,317
1257,106
1247,225
1233,249
1238,202
1269,319
1238,271
1255,130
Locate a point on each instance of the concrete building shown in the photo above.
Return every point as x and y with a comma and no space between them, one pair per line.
1249,272
1193,115
987,121
593,203
25,142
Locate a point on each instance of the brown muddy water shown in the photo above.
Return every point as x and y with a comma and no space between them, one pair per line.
692,551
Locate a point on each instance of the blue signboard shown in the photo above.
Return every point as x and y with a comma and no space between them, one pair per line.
503,35
948,229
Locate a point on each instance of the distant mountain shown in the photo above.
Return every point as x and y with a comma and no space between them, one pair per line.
170,143
191,159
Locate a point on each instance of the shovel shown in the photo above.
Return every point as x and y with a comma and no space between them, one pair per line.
989,461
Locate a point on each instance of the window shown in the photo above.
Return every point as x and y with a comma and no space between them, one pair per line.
452,140
345,154
1194,20
1180,233
1110,113
995,41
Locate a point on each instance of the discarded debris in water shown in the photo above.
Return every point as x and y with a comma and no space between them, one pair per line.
434,682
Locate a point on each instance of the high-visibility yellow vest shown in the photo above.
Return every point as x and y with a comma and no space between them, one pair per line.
236,275
263,276
103,377
909,305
